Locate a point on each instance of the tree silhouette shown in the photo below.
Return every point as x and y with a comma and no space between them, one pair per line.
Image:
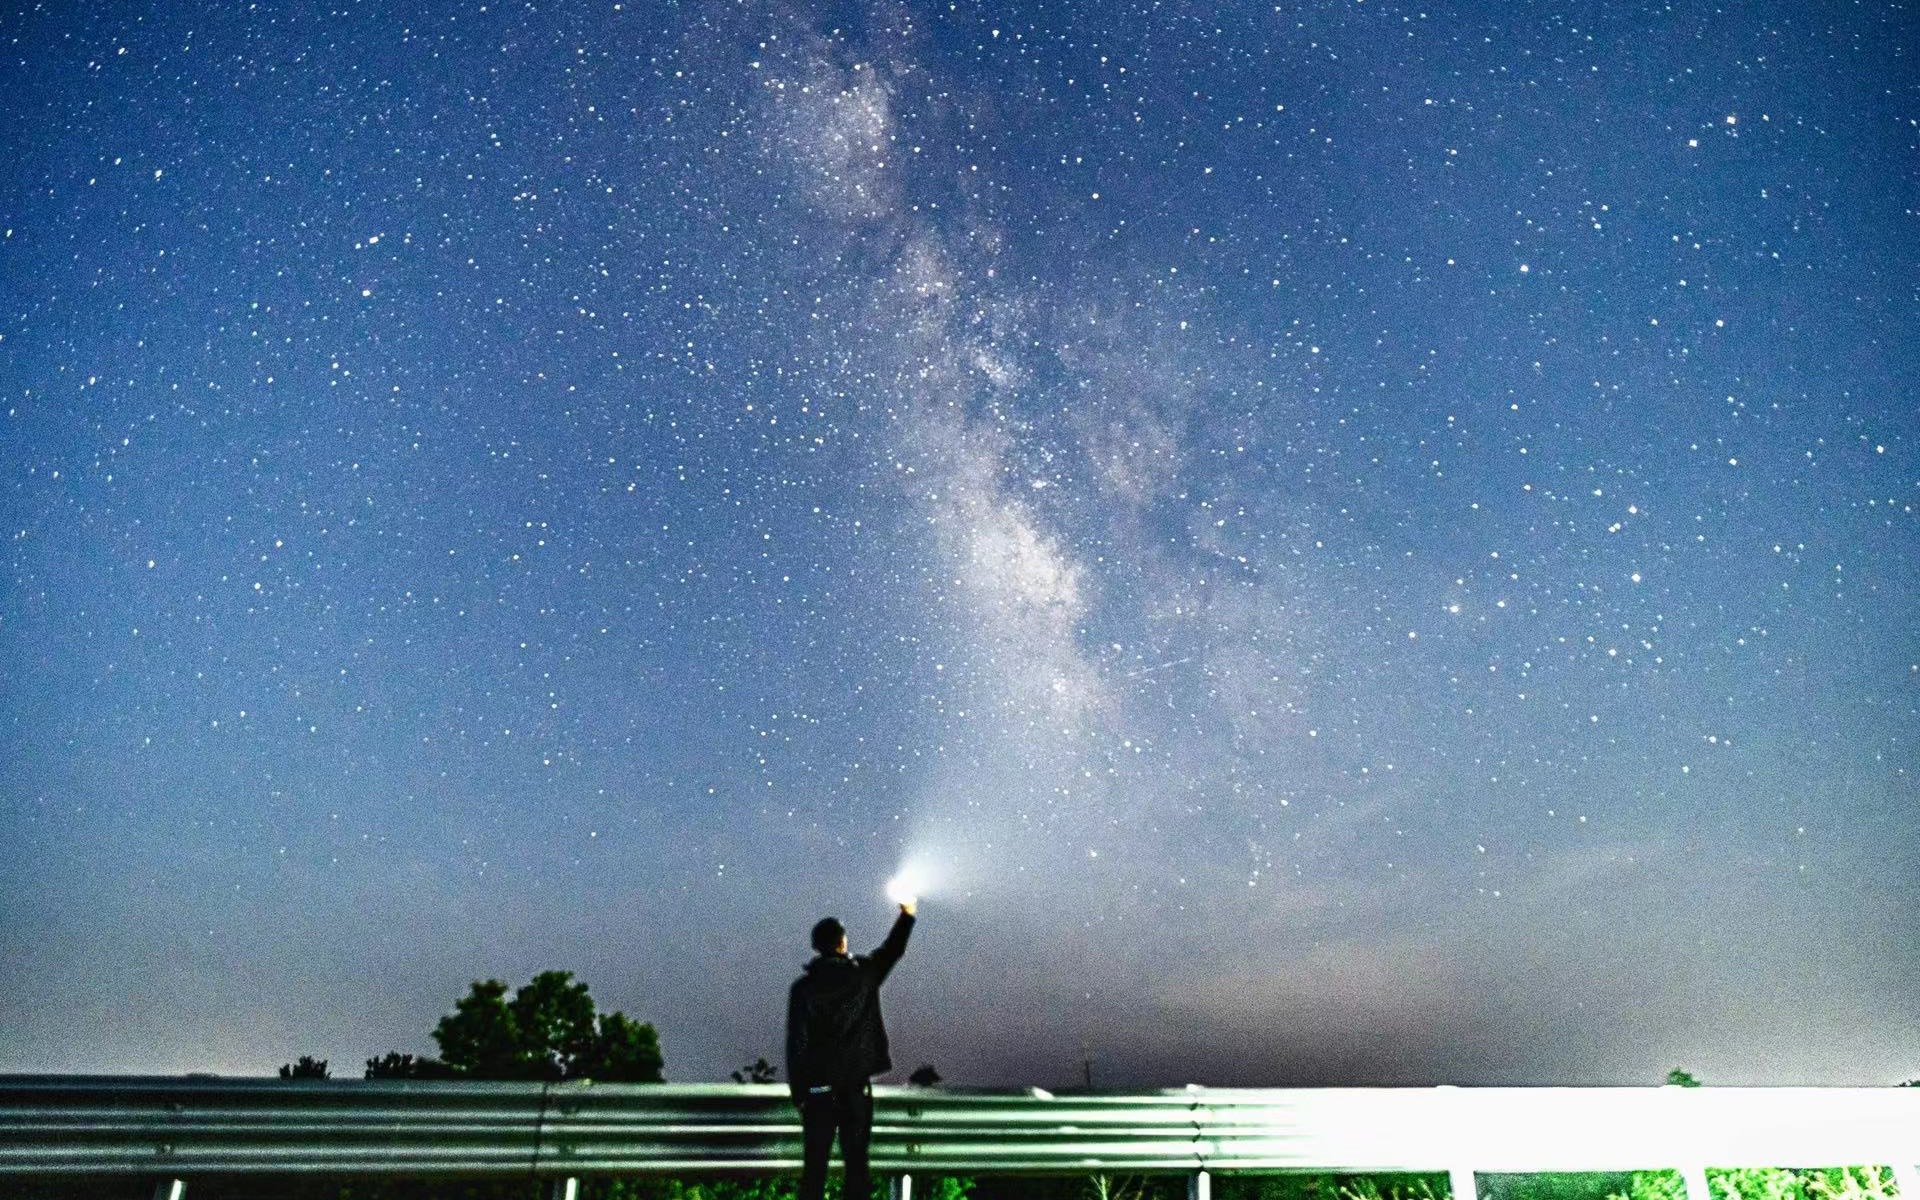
924,1076
757,1071
549,1030
479,1037
395,1065
624,1051
307,1068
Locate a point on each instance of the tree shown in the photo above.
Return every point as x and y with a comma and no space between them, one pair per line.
395,1065
479,1037
624,1051
924,1076
549,1030
1679,1078
757,1071
553,1019
307,1068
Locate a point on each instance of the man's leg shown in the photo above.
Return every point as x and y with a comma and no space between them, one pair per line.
855,1103
817,1119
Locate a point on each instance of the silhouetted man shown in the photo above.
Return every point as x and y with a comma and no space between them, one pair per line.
836,1042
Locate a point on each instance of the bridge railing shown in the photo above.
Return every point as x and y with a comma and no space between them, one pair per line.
173,1130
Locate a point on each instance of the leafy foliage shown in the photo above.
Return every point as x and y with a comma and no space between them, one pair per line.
1679,1078
1653,1185
1585,1185
1745,1183
549,1030
758,1187
395,1065
1330,1187
1819,1183
480,1036
307,1068
1123,1187
757,1071
750,1188
1573,1185
624,1051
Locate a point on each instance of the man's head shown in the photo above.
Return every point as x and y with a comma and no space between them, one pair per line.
830,936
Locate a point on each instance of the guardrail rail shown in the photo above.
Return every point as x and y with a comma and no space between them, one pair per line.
174,1129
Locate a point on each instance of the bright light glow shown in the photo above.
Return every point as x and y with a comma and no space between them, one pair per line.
920,871
904,888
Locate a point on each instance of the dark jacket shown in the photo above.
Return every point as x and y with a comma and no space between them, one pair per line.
834,1031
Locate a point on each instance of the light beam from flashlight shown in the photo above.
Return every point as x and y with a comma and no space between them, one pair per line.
904,888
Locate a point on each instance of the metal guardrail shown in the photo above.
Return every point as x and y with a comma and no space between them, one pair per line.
171,1128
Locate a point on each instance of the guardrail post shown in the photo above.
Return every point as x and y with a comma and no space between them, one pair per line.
170,1189
1906,1179
900,1187
1460,1183
1199,1186
567,1188
1695,1177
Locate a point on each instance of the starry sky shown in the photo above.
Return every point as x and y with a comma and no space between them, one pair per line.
1347,542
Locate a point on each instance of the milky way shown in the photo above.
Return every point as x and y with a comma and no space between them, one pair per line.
1351,543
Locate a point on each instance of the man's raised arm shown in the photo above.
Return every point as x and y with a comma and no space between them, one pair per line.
889,951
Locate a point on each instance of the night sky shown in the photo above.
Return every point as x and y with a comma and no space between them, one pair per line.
1349,542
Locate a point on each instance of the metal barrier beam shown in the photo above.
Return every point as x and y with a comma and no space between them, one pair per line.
168,1128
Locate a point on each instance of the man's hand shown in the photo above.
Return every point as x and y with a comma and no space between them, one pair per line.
909,907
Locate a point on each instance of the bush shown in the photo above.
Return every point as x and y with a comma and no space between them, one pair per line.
1331,1187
